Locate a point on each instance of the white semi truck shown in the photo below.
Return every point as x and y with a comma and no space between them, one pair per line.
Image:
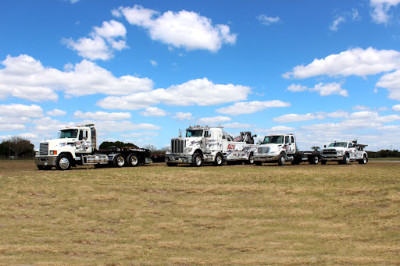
282,148
77,146
345,152
210,145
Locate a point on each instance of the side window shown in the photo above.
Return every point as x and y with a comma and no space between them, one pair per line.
207,134
80,135
286,139
292,139
223,136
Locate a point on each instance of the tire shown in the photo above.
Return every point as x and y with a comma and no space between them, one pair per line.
251,159
219,160
197,160
346,159
172,164
314,160
364,160
323,162
281,159
119,160
63,162
133,160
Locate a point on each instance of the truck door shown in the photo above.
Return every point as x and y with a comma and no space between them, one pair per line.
84,142
352,150
290,145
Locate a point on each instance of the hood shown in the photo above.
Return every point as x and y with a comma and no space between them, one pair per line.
56,143
269,148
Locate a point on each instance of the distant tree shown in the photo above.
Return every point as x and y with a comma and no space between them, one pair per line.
17,146
150,147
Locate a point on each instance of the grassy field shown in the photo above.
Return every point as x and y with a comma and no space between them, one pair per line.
304,214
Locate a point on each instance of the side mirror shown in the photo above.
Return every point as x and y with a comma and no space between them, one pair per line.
255,136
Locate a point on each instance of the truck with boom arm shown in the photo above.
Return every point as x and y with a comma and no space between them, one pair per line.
77,146
203,144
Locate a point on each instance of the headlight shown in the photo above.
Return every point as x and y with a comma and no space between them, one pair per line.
188,150
53,152
340,153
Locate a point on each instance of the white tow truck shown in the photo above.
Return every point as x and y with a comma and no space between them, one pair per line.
345,152
281,148
77,146
210,145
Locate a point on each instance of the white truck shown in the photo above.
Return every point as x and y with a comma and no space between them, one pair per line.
281,148
210,145
77,146
344,152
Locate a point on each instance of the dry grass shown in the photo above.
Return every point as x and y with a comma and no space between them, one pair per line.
304,214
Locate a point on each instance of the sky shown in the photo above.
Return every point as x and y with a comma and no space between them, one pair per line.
143,70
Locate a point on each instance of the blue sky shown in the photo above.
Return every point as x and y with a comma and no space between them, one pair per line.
142,70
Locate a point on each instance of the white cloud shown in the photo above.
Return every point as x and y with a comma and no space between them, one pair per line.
139,134
380,10
21,110
266,20
102,41
102,116
238,125
153,63
337,114
335,24
251,107
11,127
356,61
321,88
391,82
183,116
182,29
297,118
212,121
361,108
121,126
56,112
194,92
24,77
153,111
396,108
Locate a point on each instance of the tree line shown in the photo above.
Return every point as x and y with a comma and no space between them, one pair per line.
16,147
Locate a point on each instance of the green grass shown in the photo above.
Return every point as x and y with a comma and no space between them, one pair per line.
333,214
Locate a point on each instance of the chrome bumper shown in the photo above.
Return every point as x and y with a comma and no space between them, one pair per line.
265,157
45,160
332,157
178,158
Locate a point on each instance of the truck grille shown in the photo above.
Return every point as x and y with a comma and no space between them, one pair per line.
177,145
44,148
329,152
263,150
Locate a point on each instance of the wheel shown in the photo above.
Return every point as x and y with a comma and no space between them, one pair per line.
219,160
118,160
133,160
171,164
323,162
251,159
346,159
281,159
314,160
197,160
364,160
63,162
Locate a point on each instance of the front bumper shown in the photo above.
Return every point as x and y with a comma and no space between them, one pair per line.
178,158
332,157
266,157
45,160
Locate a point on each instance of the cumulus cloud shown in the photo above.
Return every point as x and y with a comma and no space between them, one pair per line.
357,61
251,107
266,20
102,116
21,110
380,10
102,41
391,82
238,125
344,17
183,29
212,121
26,78
183,116
335,24
56,112
396,108
153,111
297,118
321,88
194,92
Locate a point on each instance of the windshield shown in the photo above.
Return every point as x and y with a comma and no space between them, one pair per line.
273,140
338,144
68,133
194,133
